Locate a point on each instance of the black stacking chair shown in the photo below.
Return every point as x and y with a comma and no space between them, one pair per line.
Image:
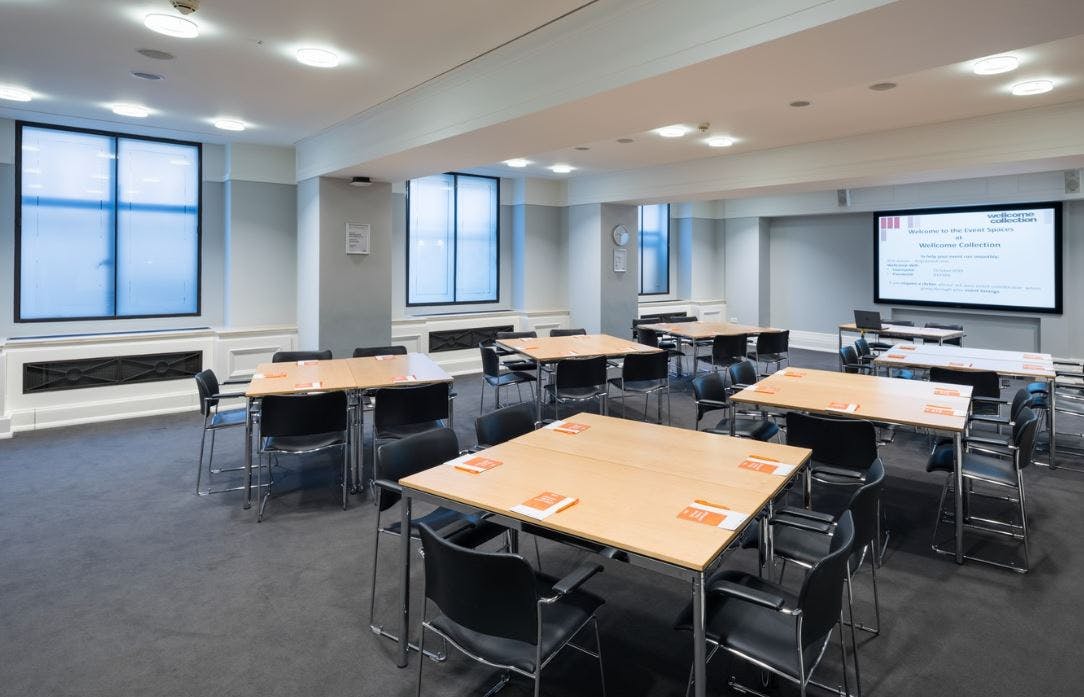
942,456
403,458
650,337
849,361
214,420
523,365
885,345
496,610
404,411
579,380
985,387
727,350
370,351
955,327
999,466
783,633
504,424
568,332
645,374
864,352
865,356
303,424
711,394
496,378
772,349
291,356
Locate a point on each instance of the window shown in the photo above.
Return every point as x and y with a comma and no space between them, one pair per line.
452,240
108,226
655,249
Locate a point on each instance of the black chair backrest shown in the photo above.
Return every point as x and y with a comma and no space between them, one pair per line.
504,424
1024,433
955,327
821,597
491,593
728,349
207,384
517,335
849,358
678,319
291,356
303,415
396,406
568,332
902,323
711,386
580,372
675,316
861,348
839,442
864,505
401,458
1021,399
370,351
773,342
984,383
491,360
646,366
648,337
744,372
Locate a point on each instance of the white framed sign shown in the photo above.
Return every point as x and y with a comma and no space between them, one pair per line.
621,260
358,238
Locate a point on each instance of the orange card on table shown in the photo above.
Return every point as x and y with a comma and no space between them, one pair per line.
766,465
941,410
788,373
544,505
309,362
308,385
267,376
896,356
475,464
946,392
1032,366
765,389
850,408
713,514
956,364
1034,356
567,427
404,378
384,357
906,348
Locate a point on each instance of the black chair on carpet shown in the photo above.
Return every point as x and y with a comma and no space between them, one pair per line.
651,337
849,362
885,345
959,341
399,412
291,356
985,387
518,364
783,633
568,332
498,611
645,374
371,351
496,378
215,419
772,349
727,350
711,394
577,380
504,424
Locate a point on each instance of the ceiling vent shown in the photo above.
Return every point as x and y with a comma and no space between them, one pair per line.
155,54
360,181
185,7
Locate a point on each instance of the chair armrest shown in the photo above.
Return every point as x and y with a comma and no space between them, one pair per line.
572,581
236,382
713,402
227,395
977,440
839,472
475,449
991,420
806,513
389,485
807,525
749,595
989,400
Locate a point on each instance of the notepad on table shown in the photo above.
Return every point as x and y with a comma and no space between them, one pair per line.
568,427
766,465
713,514
308,385
788,373
906,348
384,357
1034,356
404,378
475,464
267,376
959,364
946,392
544,505
896,356
765,389
1032,366
308,362
942,410
849,408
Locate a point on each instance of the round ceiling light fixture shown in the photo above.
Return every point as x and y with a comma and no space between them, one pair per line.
135,111
719,142
675,131
15,94
517,162
1032,87
229,125
561,168
317,57
995,65
171,25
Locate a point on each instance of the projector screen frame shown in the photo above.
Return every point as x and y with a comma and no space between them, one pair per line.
984,208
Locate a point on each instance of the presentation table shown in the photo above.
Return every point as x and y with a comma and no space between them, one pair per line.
939,407
696,332
900,331
1038,367
551,349
634,485
353,375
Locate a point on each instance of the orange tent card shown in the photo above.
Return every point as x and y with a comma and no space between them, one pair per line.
309,362
544,505
764,389
956,364
384,357
793,373
946,392
1034,357
1032,366
850,408
896,356
567,427
712,514
308,385
404,378
943,410
475,464
766,465
906,348
267,376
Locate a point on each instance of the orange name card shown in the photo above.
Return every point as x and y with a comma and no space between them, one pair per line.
307,362
404,378
843,406
475,464
906,348
308,385
544,505
766,465
896,356
1032,366
946,392
713,514
567,427
384,357
941,410
788,373
956,364
1034,357
267,376
765,389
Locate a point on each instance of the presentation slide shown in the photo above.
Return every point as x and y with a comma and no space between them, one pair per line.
1005,257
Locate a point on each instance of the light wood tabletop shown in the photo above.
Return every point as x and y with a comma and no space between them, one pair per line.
938,406
395,371
555,348
706,330
1004,363
905,331
296,377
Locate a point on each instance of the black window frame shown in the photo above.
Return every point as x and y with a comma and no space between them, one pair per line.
455,247
116,136
640,249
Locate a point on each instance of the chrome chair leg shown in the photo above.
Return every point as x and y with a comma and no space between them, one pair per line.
598,648
199,465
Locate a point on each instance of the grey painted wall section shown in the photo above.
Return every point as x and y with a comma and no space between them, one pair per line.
539,252
308,264
620,291
746,275
700,268
260,253
584,264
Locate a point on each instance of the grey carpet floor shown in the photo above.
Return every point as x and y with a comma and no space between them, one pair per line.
116,580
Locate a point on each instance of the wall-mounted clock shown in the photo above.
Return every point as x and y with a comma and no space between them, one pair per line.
621,235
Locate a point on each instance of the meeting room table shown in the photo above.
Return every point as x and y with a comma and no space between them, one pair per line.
697,332
666,499
902,331
938,407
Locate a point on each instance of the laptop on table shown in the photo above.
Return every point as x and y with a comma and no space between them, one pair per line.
867,319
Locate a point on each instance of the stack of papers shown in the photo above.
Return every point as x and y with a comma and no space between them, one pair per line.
567,427
544,505
767,465
849,408
713,514
475,464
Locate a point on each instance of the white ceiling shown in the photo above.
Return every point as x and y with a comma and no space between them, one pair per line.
77,56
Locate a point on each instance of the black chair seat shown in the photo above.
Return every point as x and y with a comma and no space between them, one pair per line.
222,419
986,467
300,444
560,621
478,532
747,427
508,379
768,356
404,430
880,345
638,385
523,366
751,629
574,392
805,546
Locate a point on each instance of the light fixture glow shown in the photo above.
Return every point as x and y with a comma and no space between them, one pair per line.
229,125
317,57
719,142
1026,89
995,65
134,110
517,162
675,131
171,25
561,168
15,94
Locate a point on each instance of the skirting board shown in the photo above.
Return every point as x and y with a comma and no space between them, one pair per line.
172,402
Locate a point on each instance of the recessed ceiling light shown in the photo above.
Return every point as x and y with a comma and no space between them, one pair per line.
800,103
317,57
15,94
134,110
229,124
1026,89
561,169
155,54
675,131
625,141
883,86
171,25
719,141
517,162
995,65
147,76
581,148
